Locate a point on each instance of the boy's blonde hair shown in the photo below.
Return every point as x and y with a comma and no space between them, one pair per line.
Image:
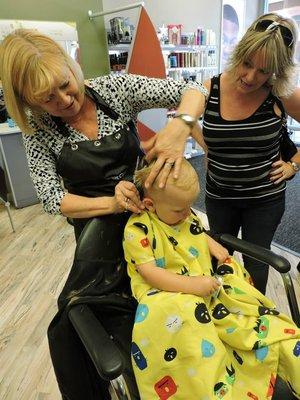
29,64
187,180
278,57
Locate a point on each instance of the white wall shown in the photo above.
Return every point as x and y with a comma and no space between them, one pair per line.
254,8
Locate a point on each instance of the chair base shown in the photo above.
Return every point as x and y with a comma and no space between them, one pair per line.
7,206
120,389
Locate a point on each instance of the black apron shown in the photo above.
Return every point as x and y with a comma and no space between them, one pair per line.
93,168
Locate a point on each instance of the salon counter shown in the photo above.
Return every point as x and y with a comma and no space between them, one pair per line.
13,161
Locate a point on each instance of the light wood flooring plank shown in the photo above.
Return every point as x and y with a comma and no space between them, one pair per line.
34,263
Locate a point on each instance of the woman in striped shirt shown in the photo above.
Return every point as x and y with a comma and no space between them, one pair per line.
246,176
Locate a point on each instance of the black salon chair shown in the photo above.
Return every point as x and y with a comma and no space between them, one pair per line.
108,359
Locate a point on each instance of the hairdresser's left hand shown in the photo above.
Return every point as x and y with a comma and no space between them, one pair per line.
167,146
127,198
281,171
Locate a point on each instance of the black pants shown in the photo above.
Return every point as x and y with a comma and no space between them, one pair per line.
257,220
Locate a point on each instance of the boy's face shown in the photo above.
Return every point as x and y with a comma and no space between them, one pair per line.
173,205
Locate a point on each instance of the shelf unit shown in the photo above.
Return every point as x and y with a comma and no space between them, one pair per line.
182,61
190,62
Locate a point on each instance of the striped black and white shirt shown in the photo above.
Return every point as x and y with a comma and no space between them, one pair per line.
240,153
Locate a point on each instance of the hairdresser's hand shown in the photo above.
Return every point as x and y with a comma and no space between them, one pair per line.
167,146
205,285
281,171
127,198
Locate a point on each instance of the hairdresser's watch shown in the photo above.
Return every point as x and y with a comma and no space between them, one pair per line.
187,119
294,165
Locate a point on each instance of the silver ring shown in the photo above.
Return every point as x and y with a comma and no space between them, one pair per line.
169,164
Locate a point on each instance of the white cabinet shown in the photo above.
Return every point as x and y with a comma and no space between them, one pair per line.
14,163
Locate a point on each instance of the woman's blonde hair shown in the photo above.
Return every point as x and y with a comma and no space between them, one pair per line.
278,56
187,180
30,62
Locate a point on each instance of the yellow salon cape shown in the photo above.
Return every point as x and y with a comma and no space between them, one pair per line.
186,347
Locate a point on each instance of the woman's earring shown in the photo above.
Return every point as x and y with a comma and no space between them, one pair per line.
272,79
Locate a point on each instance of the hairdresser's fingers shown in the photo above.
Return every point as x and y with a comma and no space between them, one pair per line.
149,147
177,167
156,168
167,169
128,196
130,206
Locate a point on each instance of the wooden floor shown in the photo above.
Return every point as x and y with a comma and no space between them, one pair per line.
34,262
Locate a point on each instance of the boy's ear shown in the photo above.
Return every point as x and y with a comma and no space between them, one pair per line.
149,204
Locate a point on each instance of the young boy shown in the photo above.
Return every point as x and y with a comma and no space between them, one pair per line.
197,336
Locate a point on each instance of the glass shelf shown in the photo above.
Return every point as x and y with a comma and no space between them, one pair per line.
190,68
120,47
186,47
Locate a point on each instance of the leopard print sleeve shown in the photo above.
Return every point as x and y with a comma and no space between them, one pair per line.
129,94
42,167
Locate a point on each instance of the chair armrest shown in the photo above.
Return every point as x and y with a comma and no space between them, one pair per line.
281,264
102,350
